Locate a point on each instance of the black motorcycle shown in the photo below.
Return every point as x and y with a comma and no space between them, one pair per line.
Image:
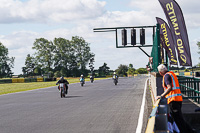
115,80
92,79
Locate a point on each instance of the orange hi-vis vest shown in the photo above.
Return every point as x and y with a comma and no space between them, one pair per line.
175,93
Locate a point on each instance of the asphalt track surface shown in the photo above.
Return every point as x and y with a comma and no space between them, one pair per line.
99,107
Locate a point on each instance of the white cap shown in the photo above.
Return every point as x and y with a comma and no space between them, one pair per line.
162,68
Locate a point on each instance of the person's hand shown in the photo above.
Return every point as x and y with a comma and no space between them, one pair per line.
158,97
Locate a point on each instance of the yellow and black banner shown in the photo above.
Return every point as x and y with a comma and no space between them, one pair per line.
167,41
177,25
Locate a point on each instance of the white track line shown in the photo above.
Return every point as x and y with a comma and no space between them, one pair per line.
140,119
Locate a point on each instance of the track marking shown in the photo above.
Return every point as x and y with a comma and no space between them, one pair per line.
140,119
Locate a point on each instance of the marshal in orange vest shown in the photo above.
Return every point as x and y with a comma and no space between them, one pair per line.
175,93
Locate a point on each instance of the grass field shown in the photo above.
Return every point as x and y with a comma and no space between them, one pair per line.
18,87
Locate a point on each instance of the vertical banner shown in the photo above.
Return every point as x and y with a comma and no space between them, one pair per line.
162,53
176,21
166,40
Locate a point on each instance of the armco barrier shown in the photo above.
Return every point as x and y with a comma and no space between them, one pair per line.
5,81
152,118
49,79
18,80
40,79
26,80
30,80
33,80
158,120
14,80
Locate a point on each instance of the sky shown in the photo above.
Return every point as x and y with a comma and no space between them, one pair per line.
22,21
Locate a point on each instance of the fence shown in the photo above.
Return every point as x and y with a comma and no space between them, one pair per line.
190,87
155,52
26,80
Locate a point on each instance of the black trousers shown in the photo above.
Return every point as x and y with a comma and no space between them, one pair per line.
175,110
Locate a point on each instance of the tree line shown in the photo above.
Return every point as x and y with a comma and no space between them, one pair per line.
58,57
6,63
61,57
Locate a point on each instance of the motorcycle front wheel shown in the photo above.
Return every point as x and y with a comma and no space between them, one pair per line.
62,93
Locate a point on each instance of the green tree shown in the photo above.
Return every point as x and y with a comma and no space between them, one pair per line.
82,54
62,56
82,51
29,65
44,53
104,70
141,71
38,70
57,74
130,66
131,70
24,70
6,63
71,57
122,70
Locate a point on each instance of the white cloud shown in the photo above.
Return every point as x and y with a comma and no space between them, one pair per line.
13,11
190,9
20,39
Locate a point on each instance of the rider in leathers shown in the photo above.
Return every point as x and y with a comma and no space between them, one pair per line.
62,80
115,76
82,78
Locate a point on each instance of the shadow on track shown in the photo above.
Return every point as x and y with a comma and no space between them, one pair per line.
72,96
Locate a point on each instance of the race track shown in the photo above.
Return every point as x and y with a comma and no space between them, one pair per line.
99,107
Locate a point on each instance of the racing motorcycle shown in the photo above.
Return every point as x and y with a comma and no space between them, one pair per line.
91,79
62,89
82,81
115,80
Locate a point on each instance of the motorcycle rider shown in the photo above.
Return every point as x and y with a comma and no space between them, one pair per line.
91,77
115,76
62,80
82,79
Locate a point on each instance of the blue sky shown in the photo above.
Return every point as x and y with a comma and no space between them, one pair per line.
22,21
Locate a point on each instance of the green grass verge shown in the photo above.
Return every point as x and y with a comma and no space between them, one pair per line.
18,87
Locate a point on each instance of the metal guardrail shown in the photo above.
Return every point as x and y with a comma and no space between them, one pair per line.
151,121
190,87
158,120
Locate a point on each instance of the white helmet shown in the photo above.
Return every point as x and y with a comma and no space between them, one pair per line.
81,75
114,73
